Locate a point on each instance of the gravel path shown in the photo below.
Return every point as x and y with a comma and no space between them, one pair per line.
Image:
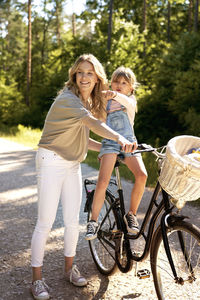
18,211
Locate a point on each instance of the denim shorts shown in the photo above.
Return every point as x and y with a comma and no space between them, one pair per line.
119,122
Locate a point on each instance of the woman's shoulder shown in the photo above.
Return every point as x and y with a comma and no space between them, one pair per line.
67,97
67,93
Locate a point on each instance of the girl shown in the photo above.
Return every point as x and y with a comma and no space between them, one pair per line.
63,145
121,110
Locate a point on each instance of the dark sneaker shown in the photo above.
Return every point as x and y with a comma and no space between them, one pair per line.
40,290
75,277
92,229
131,222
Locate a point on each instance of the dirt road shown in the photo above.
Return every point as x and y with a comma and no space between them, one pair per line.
18,211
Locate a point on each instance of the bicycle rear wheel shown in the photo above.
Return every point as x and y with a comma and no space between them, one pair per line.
186,261
103,247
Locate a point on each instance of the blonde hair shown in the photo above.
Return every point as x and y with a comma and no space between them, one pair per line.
96,103
127,74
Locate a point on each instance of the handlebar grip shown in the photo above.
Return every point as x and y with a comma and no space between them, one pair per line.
144,147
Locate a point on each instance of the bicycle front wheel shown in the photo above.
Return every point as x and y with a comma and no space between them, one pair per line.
184,243
103,247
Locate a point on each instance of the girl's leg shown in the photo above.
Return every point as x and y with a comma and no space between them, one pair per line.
50,179
137,167
105,172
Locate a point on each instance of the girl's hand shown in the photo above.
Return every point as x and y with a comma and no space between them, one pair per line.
107,95
134,147
126,145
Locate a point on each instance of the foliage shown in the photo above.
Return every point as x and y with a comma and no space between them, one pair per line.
161,52
22,135
174,104
12,109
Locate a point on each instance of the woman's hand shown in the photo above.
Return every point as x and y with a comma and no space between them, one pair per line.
126,145
107,95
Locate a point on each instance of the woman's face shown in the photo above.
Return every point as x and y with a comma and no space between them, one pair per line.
122,86
86,78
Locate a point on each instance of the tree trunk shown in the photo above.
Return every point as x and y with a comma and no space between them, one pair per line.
144,20
74,24
168,20
58,23
110,25
196,16
44,35
29,55
190,10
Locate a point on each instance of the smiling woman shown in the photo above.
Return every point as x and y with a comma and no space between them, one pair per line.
86,79
63,145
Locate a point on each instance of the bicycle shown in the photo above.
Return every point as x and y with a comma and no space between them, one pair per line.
173,245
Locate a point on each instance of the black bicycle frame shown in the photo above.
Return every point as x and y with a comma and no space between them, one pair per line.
152,223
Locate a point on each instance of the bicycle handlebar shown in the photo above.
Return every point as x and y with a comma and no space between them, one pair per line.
146,148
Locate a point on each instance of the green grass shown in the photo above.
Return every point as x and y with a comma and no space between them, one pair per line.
23,135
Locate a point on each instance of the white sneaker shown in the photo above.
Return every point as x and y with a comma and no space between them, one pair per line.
131,222
40,290
75,277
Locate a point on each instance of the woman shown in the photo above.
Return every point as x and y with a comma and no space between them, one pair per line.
63,145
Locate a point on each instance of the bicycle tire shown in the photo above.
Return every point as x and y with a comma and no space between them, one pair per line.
165,285
103,247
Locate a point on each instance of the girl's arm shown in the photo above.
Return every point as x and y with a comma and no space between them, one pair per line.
128,102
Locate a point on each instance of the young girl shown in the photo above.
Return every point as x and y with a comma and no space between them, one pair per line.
121,110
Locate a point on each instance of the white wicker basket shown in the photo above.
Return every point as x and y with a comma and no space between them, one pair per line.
179,177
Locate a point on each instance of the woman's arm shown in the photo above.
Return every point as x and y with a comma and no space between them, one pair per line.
94,145
103,130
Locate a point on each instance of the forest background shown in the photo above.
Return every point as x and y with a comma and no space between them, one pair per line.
158,40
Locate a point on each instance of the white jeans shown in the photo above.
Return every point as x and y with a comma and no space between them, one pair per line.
57,179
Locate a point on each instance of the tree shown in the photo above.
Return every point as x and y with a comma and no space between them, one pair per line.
74,24
58,11
190,14
110,24
196,16
173,107
144,19
168,20
29,55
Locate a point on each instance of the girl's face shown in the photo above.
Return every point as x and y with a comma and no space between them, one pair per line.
86,78
122,86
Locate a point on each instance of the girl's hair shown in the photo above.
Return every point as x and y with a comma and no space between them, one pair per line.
127,74
96,103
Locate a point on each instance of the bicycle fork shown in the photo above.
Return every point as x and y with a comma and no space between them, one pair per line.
166,219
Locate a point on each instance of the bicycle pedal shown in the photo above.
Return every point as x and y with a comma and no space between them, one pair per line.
142,274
